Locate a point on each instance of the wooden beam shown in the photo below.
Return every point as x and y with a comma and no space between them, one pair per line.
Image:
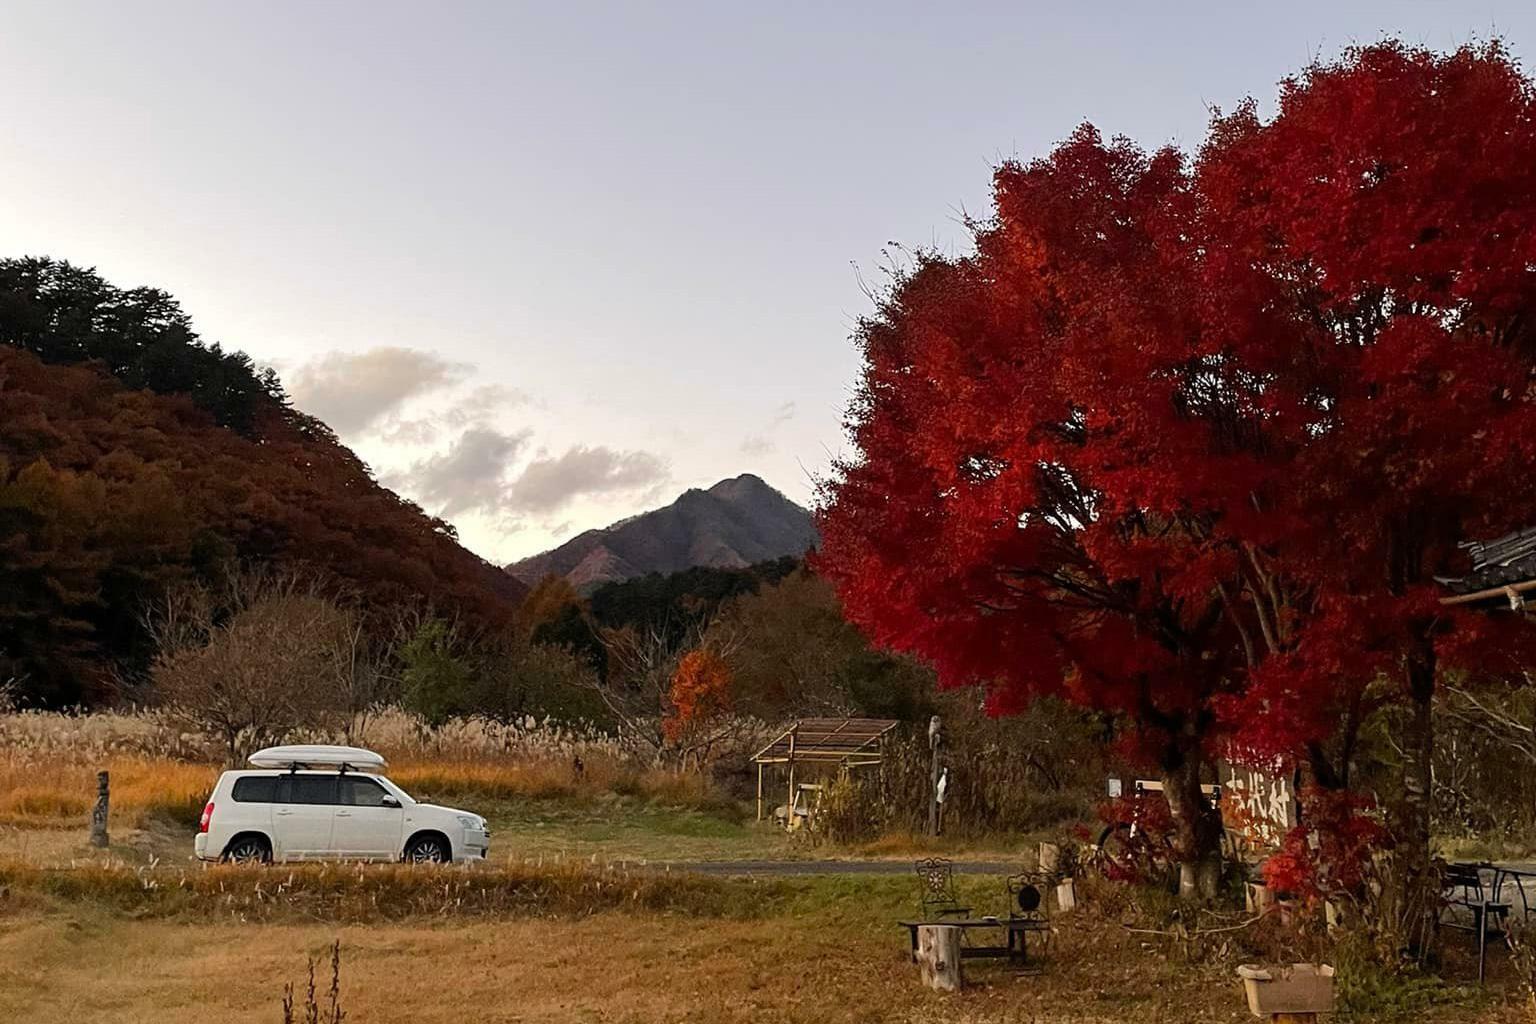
1483,595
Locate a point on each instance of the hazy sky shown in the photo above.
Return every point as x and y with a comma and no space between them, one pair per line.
547,265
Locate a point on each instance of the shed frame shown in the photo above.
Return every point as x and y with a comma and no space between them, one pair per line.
847,743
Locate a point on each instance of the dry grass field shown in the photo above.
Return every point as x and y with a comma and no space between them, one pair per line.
555,928
571,947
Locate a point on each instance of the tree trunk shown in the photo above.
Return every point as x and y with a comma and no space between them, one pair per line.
1413,879
1196,831
938,955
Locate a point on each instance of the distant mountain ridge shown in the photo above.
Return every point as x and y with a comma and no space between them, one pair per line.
737,522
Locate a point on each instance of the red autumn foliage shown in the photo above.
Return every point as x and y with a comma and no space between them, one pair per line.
1189,440
700,692
1330,853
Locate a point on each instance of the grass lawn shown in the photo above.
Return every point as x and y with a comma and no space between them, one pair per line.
628,828
607,827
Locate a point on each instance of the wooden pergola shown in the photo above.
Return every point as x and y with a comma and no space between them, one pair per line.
844,742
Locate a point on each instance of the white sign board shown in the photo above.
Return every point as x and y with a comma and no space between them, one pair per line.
1257,805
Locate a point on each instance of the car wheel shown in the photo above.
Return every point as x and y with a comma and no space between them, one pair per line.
248,850
427,850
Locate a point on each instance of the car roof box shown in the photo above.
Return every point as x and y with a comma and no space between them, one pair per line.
317,755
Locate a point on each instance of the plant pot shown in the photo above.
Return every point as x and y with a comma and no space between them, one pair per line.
1299,988
1066,895
1050,858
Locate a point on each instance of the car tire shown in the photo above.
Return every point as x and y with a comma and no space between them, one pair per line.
427,850
249,849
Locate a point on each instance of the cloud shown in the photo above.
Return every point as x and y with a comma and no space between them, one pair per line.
469,476
477,408
548,483
761,443
352,391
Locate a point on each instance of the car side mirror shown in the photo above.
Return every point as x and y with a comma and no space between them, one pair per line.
389,801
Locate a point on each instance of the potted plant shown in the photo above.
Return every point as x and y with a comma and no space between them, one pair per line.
1297,989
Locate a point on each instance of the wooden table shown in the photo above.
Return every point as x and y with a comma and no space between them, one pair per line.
1016,930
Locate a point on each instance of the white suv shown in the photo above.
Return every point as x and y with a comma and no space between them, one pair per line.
286,810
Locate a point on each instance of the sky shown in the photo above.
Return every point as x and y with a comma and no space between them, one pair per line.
544,266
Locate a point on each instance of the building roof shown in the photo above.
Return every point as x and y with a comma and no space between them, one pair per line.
1498,563
828,740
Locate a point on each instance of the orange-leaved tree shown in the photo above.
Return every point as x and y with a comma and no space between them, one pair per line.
700,697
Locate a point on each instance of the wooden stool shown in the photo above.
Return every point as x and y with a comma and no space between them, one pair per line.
938,955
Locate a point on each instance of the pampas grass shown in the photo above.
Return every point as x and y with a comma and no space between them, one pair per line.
49,760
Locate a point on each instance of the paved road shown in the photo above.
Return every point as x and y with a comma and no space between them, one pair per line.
829,867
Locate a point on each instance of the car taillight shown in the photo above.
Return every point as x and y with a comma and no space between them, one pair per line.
202,823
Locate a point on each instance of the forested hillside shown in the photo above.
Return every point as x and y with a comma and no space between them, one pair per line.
133,456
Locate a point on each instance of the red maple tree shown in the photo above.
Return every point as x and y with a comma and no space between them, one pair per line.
1189,439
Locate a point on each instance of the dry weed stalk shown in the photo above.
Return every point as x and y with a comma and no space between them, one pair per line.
333,1013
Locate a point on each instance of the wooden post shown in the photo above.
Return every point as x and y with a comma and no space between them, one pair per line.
938,956
759,791
935,740
99,813
789,812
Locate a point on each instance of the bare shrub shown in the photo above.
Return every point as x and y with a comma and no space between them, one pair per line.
638,694
255,660
1486,750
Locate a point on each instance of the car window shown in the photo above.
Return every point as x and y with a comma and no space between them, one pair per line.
255,789
361,792
311,789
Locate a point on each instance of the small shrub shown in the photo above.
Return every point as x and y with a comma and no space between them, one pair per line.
1365,985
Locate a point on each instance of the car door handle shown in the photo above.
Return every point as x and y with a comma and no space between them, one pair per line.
343,814
282,812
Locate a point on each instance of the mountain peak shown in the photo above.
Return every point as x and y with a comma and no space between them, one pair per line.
744,486
736,522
